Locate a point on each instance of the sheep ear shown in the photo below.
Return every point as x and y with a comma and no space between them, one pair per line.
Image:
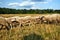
41,17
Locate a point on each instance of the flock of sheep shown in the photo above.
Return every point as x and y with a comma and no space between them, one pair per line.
16,21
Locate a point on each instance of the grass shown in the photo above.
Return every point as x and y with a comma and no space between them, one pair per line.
32,32
21,15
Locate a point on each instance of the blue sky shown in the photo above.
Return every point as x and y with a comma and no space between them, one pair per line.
30,4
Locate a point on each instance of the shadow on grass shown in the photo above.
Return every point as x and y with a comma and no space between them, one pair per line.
33,37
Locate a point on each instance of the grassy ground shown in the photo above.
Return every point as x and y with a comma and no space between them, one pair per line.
11,15
32,32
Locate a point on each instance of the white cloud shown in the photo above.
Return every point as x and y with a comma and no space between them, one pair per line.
21,4
26,3
13,4
34,7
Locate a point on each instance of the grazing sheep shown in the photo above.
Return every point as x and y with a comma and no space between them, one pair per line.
38,20
53,18
46,19
4,24
13,21
57,17
25,21
35,20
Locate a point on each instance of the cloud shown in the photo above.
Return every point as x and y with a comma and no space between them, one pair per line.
13,4
37,0
33,4
25,4
21,4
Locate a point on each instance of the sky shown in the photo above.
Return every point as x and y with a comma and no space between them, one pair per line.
30,4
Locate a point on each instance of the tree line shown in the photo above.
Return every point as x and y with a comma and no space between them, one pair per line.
25,11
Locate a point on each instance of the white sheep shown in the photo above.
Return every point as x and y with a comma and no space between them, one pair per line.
52,18
4,24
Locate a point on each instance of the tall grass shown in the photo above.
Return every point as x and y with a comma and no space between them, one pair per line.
46,31
32,32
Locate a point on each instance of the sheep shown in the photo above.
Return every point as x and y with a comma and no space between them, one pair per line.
13,21
46,19
57,17
16,20
53,18
38,19
35,20
4,24
24,21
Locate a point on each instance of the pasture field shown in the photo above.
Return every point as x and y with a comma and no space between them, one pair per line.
32,32
22,15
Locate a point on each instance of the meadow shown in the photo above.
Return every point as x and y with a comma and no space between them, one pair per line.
32,32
